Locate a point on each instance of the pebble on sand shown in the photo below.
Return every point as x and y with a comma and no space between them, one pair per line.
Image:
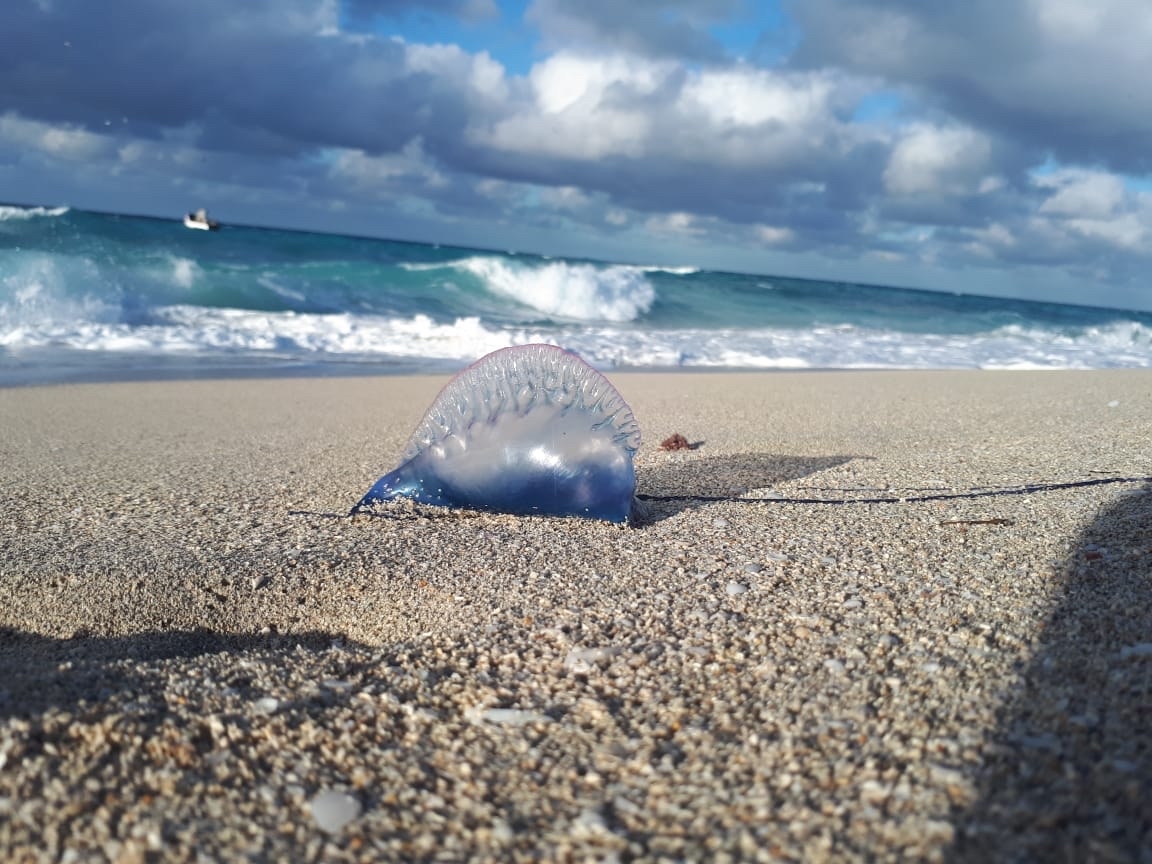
1140,649
332,810
506,716
583,660
267,705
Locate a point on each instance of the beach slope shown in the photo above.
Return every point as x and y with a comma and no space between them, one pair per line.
871,616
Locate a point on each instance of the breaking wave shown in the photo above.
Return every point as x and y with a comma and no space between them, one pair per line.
9,212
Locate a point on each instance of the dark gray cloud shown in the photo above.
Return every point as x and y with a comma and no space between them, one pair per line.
656,28
368,10
258,77
1065,78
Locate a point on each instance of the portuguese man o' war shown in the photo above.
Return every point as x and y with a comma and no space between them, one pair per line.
527,430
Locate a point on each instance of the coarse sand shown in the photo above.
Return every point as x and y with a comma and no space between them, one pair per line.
871,616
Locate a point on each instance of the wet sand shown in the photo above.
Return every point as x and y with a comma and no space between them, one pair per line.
872,616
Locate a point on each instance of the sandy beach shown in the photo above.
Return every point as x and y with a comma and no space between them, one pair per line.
872,616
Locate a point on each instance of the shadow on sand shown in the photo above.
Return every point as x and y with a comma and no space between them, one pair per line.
672,487
1071,778
38,672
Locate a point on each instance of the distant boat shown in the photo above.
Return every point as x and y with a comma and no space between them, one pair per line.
200,221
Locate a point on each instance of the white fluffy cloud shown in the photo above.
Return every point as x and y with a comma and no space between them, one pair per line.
579,108
677,225
742,97
589,108
380,172
1082,194
1096,206
939,161
773,235
478,73
62,141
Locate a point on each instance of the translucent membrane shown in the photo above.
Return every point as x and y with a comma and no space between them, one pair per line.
528,430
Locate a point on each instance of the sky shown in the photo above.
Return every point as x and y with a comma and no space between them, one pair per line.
998,147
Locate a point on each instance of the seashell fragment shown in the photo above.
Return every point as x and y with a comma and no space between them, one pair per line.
527,430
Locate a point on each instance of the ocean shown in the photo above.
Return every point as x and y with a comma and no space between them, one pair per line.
94,296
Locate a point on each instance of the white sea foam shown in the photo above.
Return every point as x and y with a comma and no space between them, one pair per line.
185,271
8,212
268,280
194,330
675,271
33,294
200,330
646,268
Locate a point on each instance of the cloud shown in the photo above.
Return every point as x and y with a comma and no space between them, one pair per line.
737,143
1095,207
65,141
741,97
366,10
364,174
580,109
773,235
668,29
934,160
565,198
1079,222
1060,76
677,225
263,76
1079,193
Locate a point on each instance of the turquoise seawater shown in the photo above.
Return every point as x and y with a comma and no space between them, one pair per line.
87,295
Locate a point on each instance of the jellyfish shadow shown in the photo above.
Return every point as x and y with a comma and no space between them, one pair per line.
672,487
1070,778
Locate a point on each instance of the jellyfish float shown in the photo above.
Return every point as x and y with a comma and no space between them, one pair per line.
527,430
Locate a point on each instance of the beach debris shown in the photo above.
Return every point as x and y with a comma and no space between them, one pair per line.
590,822
505,716
267,705
676,441
978,522
581,661
1140,649
735,589
332,810
720,522
527,430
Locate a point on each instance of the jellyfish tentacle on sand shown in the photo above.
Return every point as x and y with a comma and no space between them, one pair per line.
527,430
